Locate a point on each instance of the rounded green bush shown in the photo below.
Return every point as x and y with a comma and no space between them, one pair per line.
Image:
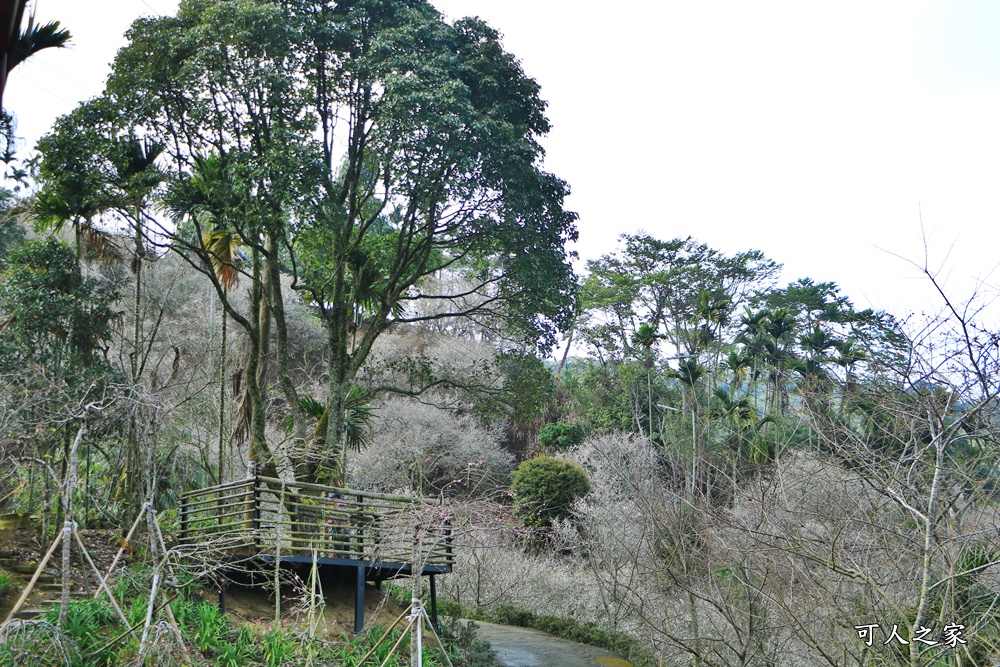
560,435
545,487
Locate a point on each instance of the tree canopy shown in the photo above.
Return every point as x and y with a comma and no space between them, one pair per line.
384,162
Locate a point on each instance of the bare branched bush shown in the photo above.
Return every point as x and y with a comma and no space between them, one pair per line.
430,450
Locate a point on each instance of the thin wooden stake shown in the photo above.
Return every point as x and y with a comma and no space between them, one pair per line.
34,577
149,614
384,635
170,571
396,645
102,586
434,633
135,524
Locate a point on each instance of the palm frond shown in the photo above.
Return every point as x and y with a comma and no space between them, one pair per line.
359,417
223,253
36,38
100,244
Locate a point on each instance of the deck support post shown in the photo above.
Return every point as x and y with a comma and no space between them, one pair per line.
434,603
222,594
359,601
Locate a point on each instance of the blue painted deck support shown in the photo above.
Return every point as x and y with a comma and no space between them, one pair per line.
359,601
364,572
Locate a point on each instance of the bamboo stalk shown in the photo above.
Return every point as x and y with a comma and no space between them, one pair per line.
398,642
354,492
384,635
130,630
101,584
135,524
218,487
34,577
211,502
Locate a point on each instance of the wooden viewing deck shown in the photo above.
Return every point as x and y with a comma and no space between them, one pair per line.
268,519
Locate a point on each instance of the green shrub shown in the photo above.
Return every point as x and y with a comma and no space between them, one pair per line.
278,648
6,585
40,645
560,436
448,607
233,655
209,626
545,487
465,647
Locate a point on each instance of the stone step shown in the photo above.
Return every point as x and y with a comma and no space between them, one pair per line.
58,601
28,614
57,589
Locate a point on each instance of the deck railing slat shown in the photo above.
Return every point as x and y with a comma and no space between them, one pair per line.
271,517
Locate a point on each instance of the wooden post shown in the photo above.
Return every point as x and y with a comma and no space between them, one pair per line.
277,557
256,513
359,601
449,548
223,584
434,602
184,520
359,528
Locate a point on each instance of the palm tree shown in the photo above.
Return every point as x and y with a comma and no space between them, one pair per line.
18,47
75,202
780,326
208,195
849,354
137,177
744,425
712,311
645,337
752,335
739,364
688,373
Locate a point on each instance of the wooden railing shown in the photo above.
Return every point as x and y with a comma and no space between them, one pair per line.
278,518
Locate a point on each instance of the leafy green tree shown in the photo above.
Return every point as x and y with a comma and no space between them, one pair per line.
560,436
55,325
440,172
12,233
613,397
545,488
74,176
683,290
53,316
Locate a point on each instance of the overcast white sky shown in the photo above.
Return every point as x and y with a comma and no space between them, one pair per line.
813,131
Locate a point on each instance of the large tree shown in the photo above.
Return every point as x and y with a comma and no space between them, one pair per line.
370,149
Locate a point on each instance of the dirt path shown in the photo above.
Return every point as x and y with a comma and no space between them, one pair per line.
519,647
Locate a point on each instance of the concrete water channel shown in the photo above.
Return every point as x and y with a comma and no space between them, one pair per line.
521,647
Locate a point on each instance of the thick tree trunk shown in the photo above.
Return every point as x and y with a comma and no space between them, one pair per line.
281,353
259,452
337,318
